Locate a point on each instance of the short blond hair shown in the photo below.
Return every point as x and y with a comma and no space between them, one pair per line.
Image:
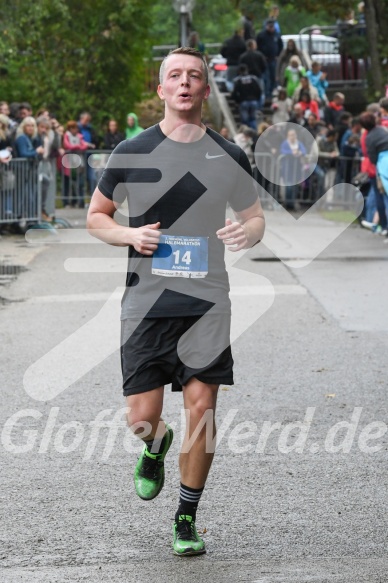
185,51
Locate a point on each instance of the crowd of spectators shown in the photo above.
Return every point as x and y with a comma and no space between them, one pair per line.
348,149
45,143
261,71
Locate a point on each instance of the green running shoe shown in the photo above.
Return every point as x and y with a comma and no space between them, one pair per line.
186,540
149,470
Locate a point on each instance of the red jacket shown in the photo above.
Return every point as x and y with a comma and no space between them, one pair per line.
312,106
366,164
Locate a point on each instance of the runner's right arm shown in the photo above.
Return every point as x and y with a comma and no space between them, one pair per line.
101,224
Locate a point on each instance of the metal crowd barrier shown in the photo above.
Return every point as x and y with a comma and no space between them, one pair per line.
79,177
20,192
271,173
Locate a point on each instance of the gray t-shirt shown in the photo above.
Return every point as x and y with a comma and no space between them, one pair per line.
185,186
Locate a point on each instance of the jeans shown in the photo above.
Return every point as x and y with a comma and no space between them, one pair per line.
376,202
319,173
291,193
270,78
248,110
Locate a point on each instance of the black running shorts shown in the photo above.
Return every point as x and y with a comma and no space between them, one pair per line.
150,356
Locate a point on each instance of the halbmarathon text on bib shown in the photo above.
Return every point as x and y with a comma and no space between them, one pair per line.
179,256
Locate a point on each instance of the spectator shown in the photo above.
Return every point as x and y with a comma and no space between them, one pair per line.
6,178
352,44
92,141
318,80
74,178
245,139
377,148
88,132
297,115
231,50
333,110
256,63
5,140
26,135
133,129
26,147
4,108
247,93
383,104
343,125
270,43
196,43
281,107
14,112
292,75
308,105
355,129
285,56
312,124
273,15
42,112
351,152
45,138
305,85
293,154
224,132
264,154
25,110
361,17
375,216
113,136
328,156
247,26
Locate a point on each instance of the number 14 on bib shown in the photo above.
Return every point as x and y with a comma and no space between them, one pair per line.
181,257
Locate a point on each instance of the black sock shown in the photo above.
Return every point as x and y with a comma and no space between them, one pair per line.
188,501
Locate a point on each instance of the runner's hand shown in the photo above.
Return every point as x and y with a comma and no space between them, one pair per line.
233,235
145,239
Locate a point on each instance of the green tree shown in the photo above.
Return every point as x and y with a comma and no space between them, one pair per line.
70,55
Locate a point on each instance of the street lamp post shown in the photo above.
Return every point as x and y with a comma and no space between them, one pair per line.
184,8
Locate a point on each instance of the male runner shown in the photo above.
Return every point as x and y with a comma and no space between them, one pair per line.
178,230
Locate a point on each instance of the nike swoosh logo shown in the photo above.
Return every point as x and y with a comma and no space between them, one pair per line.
208,157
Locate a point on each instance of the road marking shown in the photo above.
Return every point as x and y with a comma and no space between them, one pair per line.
238,291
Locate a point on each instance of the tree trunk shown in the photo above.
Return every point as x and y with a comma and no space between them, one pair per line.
372,33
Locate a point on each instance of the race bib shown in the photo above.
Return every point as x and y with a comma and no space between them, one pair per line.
181,257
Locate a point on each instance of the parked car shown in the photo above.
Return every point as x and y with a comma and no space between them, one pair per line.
325,50
219,67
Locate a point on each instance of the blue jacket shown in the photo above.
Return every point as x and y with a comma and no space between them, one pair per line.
25,147
291,166
270,44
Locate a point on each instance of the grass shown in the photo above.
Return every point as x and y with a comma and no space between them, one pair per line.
339,216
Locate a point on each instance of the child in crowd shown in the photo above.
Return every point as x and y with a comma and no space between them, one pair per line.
318,80
281,107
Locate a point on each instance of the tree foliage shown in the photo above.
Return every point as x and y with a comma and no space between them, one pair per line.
69,56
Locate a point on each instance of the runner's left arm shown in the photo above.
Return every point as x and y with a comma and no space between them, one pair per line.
246,231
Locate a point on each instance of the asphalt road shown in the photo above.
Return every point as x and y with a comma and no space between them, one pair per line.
284,503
